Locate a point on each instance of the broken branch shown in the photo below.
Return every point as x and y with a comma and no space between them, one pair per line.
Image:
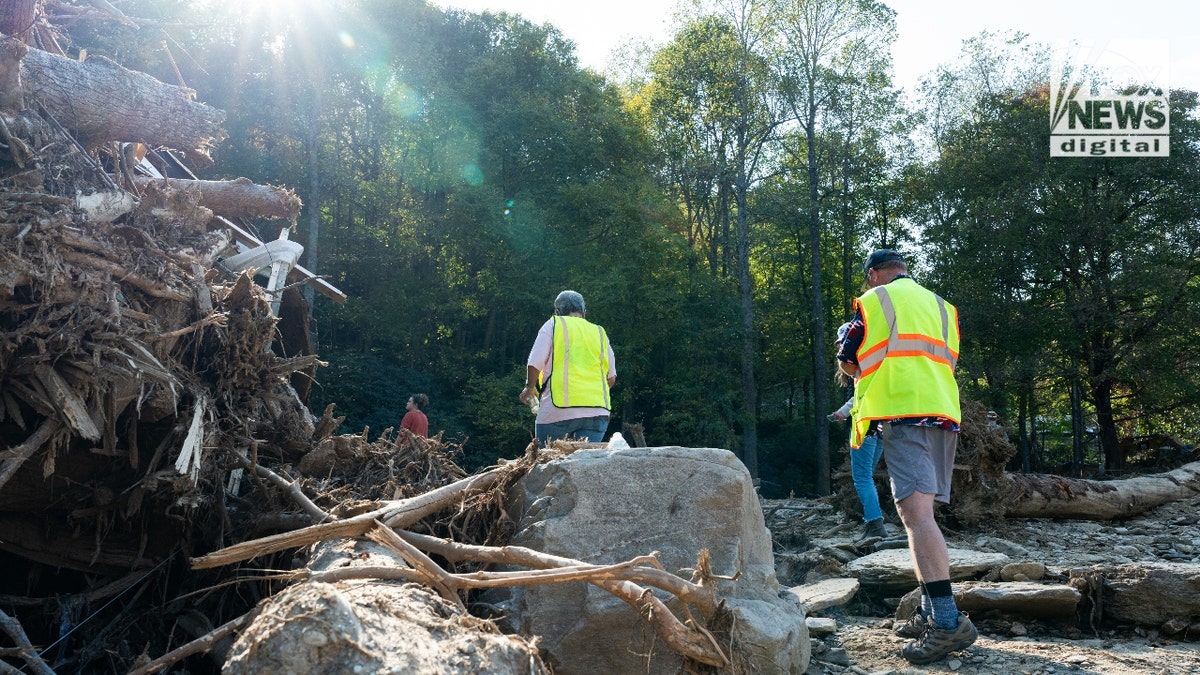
219,319
28,653
292,488
200,645
393,514
24,451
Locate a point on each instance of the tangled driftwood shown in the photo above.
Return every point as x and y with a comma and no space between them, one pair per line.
150,410
386,524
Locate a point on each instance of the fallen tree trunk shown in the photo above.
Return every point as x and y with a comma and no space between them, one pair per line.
240,198
101,101
1046,496
983,489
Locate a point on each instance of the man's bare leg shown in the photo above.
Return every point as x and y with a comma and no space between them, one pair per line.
926,545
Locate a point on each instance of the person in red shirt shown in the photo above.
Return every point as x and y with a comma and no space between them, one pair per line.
415,420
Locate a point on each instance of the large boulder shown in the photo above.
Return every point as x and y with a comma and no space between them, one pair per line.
608,506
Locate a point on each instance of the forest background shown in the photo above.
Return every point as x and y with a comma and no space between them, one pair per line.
712,200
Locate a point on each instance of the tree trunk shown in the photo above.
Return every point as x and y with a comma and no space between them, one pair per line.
1045,496
99,101
314,197
239,198
746,293
17,17
820,374
1106,427
1144,593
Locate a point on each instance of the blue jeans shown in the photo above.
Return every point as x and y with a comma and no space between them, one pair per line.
862,469
582,429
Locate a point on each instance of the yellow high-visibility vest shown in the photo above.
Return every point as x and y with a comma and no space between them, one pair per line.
906,361
579,370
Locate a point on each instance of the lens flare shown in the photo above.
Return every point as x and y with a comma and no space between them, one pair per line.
472,174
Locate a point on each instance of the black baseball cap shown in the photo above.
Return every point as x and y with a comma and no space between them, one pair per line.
880,256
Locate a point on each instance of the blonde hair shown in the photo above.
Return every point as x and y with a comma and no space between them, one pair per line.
842,378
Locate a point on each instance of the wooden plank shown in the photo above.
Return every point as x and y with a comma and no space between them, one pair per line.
72,408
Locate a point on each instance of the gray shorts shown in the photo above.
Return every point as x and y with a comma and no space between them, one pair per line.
919,459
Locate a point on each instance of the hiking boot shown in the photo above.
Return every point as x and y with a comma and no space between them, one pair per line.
936,643
913,628
873,529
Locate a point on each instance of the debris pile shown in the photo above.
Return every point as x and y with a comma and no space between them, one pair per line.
162,481
141,374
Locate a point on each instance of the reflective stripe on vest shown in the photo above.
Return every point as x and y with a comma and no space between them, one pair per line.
579,370
908,344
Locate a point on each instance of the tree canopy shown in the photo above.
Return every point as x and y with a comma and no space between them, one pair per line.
458,170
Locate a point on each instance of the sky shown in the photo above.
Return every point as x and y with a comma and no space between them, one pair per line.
929,32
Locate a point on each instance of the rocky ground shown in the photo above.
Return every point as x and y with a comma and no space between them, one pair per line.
807,550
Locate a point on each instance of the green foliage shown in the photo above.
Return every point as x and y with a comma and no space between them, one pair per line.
503,426
371,390
1069,270
461,169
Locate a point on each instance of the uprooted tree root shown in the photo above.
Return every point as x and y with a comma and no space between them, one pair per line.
473,504
983,452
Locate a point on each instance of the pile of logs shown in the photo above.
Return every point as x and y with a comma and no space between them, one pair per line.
158,464
139,373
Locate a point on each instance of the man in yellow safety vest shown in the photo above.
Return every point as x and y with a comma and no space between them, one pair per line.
902,345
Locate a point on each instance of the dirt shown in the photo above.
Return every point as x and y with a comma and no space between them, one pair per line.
864,642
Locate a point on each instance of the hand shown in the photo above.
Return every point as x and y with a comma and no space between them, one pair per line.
523,397
837,415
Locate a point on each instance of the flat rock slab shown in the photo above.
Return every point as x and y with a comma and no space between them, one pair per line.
1148,594
824,594
818,626
891,570
1021,598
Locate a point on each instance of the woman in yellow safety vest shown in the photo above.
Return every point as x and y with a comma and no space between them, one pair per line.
573,367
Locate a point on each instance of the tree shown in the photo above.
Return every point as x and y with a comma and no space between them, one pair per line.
827,50
711,90
1104,253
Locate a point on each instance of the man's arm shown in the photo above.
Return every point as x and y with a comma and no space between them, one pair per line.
531,379
847,355
612,366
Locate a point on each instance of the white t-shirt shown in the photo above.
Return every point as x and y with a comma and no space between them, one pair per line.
541,357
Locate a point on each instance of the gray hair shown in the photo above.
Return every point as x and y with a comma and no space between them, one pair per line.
567,302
